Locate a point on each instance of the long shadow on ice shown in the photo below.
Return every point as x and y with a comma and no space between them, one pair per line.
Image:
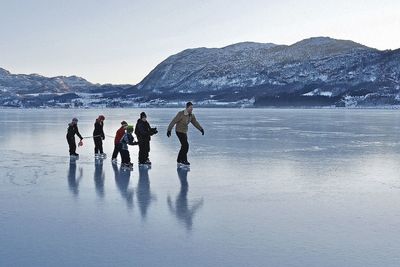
143,192
99,177
73,181
122,178
181,208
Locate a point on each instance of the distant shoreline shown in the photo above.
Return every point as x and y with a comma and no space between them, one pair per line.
211,107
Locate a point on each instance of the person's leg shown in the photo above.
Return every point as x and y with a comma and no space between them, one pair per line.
147,150
182,156
72,146
69,146
96,149
179,159
128,157
120,149
123,155
185,148
142,158
115,152
101,146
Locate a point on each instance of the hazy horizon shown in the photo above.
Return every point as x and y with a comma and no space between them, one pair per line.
122,41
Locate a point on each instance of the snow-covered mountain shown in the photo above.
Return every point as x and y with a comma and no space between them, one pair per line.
318,71
33,90
34,83
315,71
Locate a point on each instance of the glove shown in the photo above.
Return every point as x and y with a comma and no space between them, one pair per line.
103,137
202,131
80,143
169,133
153,131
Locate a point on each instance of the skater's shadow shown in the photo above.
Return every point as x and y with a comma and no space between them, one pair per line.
99,177
181,208
122,178
73,181
143,193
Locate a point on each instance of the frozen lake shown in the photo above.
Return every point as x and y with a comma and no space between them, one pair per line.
266,188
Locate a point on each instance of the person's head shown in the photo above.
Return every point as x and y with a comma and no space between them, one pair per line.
75,121
143,116
129,129
189,107
101,118
124,124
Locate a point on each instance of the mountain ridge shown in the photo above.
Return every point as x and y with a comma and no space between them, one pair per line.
317,71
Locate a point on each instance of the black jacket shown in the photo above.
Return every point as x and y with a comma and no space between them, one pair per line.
98,129
143,130
72,130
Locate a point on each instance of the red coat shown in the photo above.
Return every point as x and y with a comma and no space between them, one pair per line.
118,136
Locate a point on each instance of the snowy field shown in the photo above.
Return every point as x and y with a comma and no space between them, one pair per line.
266,188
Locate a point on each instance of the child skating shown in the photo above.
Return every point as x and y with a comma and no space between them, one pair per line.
127,140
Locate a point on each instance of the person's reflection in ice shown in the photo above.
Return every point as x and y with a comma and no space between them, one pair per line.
181,210
122,178
99,177
73,181
143,193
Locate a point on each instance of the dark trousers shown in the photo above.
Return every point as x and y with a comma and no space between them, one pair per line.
144,149
182,156
72,145
98,145
125,156
117,149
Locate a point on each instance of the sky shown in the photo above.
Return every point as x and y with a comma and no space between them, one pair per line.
121,41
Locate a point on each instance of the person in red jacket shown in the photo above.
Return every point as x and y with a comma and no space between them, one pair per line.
117,141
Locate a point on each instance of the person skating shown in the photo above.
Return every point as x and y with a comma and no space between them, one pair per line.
182,120
144,132
98,137
117,141
71,132
126,140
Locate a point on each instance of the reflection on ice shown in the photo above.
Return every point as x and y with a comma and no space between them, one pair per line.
99,177
181,208
73,180
143,193
283,188
122,178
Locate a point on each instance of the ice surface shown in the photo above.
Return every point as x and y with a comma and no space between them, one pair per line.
266,188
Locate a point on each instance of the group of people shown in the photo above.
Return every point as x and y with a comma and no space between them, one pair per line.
143,131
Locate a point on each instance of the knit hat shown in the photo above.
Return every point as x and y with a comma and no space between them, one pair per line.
124,123
129,129
143,115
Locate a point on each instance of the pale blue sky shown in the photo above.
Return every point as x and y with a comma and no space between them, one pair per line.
120,41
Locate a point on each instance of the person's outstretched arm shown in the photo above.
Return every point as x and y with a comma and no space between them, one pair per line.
78,134
197,124
174,121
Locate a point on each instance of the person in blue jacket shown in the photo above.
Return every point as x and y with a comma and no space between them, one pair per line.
127,140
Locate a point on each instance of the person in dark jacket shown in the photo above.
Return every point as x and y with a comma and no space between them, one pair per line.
144,132
117,141
71,132
98,137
